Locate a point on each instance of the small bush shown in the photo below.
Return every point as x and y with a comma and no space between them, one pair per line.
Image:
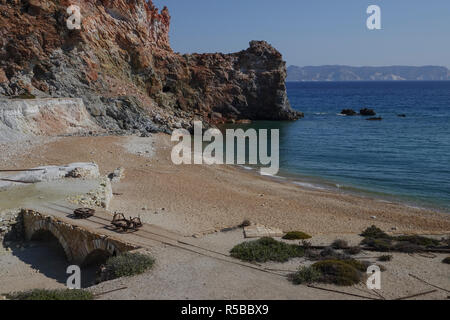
306,275
358,265
338,272
296,235
380,241
375,233
419,240
379,244
330,254
266,249
41,294
353,250
385,258
306,245
313,254
407,247
446,260
340,244
327,252
126,265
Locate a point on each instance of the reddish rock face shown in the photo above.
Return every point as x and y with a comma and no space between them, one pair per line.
121,64
3,77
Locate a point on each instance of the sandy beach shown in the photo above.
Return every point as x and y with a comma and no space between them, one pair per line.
203,199
199,202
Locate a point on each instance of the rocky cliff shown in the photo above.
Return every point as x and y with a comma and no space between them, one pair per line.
49,117
121,64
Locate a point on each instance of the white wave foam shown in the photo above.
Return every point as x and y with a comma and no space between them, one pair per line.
308,185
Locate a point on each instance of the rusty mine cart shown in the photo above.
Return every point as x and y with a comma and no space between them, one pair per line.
83,213
123,224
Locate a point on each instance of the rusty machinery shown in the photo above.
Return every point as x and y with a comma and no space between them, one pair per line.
123,224
83,213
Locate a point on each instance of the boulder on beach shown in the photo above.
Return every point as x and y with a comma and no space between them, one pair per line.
367,112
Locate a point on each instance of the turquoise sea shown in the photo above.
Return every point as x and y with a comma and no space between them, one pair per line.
405,159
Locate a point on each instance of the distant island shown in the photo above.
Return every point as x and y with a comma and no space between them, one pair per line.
347,73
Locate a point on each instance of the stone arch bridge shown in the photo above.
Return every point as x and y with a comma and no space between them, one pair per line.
78,243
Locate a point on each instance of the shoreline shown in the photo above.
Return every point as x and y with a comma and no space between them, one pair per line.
307,182
204,199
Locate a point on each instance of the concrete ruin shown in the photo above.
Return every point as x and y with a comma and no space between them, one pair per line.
50,173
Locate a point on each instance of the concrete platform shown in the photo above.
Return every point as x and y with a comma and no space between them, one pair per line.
259,231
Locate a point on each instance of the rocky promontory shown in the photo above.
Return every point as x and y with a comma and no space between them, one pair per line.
121,64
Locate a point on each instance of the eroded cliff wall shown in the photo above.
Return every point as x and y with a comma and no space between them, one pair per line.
121,64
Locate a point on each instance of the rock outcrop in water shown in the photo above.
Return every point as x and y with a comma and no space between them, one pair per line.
121,64
367,112
349,112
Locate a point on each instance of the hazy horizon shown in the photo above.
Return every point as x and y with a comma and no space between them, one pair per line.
366,66
323,32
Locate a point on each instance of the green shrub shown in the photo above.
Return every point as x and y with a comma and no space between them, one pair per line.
330,254
385,258
306,245
379,244
419,240
375,233
126,265
338,272
313,254
380,241
296,235
340,244
306,275
61,294
446,260
353,250
407,247
358,265
266,249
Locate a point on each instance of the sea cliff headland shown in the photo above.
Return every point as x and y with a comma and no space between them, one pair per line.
121,64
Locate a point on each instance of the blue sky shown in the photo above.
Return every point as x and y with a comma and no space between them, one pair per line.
316,32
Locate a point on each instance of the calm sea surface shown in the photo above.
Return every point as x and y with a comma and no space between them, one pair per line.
399,158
